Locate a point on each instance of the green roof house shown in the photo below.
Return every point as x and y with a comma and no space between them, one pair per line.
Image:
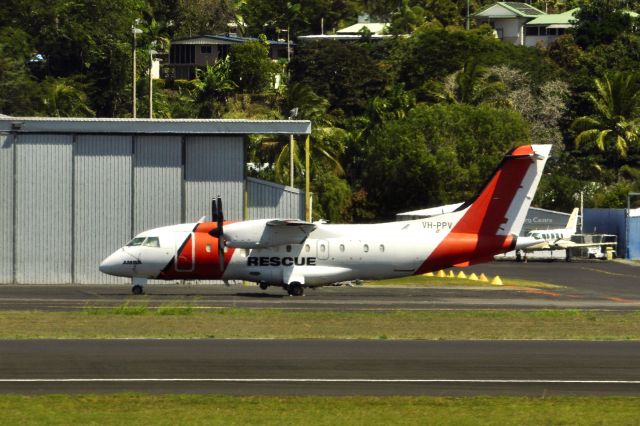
508,20
546,28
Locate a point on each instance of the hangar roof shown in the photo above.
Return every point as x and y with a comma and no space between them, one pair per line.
153,126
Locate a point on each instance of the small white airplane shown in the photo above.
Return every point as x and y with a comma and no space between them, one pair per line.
553,239
295,254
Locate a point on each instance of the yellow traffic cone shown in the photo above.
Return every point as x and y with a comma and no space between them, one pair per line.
496,280
462,275
428,274
440,274
473,277
451,274
483,278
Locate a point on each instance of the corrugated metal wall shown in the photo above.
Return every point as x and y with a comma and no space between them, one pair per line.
80,197
43,222
210,172
103,175
633,238
269,200
6,209
157,174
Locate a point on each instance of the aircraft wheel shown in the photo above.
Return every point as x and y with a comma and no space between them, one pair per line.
137,289
296,289
263,286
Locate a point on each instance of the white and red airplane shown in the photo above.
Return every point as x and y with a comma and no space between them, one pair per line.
295,254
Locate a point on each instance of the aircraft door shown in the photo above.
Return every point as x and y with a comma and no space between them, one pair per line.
323,249
185,253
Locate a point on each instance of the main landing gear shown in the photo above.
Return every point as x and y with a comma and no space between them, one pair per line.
295,289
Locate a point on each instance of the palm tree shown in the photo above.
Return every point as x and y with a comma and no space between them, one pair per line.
327,141
471,85
62,98
617,107
211,87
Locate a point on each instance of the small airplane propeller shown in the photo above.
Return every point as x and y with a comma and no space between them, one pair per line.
217,216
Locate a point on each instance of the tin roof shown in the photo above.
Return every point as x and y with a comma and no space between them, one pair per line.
153,126
222,39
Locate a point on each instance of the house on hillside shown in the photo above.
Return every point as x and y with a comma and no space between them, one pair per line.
524,25
376,30
545,29
508,19
187,54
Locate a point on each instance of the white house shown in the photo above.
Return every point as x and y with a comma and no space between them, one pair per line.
508,19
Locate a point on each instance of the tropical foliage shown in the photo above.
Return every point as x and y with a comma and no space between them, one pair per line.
414,120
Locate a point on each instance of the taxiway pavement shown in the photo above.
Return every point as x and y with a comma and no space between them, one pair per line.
585,285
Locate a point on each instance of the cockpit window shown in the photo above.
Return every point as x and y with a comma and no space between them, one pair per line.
135,242
152,242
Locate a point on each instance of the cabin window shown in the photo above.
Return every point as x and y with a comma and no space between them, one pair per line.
323,248
152,242
307,248
382,248
342,247
207,248
366,248
288,248
135,242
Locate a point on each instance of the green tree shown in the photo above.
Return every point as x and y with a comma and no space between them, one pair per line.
327,140
211,88
437,155
62,97
407,18
614,125
251,68
472,85
601,22
346,74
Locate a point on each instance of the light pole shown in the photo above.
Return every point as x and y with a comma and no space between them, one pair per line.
135,31
151,53
292,114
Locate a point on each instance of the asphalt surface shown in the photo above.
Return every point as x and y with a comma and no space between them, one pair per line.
585,285
321,367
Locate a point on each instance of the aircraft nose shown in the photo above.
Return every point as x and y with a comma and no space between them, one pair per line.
112,265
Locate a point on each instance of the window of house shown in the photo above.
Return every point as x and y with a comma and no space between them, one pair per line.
205,49
531,31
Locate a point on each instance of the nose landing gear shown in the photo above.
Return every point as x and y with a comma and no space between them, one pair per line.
138,285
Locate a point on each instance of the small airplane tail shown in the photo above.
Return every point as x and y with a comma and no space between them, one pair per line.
489,223
572,224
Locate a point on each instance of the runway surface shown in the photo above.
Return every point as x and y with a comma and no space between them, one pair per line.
586,285
321,367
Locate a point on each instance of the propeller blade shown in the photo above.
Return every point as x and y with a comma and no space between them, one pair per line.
220,220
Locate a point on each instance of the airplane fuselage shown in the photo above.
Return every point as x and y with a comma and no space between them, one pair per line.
331,253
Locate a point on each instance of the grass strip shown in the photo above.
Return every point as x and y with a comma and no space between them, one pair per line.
187,322
141,409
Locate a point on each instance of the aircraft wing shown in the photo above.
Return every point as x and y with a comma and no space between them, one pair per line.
564,244
267,233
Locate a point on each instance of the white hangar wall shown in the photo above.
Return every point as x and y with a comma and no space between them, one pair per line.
75,190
